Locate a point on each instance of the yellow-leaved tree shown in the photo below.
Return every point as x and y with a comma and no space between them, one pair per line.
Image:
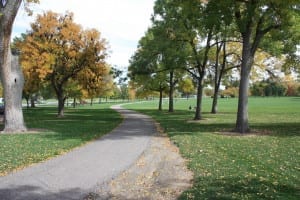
96,79
58,50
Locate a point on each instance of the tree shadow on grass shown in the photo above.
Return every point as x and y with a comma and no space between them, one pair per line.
239,188
83,124
181,122
295,99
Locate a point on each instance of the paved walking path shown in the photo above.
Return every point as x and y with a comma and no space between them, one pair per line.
83,170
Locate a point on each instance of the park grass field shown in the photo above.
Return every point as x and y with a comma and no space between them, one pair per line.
263,165
54,136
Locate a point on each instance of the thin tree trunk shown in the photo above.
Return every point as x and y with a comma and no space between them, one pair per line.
74,102
91,102
27,101
198,113
218,78
216,89
160,99
32,101
214,108
171,91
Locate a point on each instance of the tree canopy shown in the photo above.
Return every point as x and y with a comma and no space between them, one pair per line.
58,50
217,36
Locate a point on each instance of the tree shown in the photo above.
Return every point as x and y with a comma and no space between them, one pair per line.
95,80
256,19
159,58
149,83
186,26
11,75
261,24
65,50
145,69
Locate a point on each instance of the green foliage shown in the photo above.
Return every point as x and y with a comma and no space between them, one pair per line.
54,136
268,88
264,165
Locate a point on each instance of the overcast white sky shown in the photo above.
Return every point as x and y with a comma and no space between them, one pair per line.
121,22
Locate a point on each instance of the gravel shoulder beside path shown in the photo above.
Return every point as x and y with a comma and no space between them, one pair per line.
159,174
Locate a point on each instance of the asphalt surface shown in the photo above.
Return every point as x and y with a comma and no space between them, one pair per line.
83,170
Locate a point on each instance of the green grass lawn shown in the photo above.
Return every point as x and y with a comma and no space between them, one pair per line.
237,167
59,135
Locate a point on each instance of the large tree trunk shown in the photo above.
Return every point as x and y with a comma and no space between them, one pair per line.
242,125
171,91
13,86
11,74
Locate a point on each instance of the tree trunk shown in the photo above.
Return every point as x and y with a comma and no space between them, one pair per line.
214,107
198,113
61,103
160,99
11,74
242,125
32,101
216,88
27,101
13,81
74,102
218,78
91,102
171,91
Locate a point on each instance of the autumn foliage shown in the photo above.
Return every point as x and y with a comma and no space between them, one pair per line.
58,51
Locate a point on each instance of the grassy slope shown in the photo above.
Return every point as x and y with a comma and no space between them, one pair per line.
237,167
62,134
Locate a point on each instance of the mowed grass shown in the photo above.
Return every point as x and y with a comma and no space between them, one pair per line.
54,135
265,165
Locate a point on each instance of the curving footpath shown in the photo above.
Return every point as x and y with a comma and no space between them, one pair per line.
83,170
